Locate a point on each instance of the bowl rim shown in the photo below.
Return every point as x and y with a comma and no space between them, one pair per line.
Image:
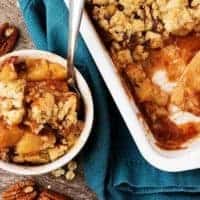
89,105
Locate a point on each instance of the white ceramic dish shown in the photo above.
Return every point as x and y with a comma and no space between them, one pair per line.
86,94
173,161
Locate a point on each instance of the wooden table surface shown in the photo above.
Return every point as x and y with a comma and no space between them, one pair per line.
77,188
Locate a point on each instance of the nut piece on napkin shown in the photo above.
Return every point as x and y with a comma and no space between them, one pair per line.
8,38
23,190
69,173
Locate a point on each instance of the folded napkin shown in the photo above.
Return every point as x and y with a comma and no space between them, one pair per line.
113,167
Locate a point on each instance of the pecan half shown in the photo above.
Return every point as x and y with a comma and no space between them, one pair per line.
23,190
50,195
8,38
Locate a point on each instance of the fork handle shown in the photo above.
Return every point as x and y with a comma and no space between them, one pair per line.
75,15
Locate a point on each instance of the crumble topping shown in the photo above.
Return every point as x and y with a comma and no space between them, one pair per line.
49,106
144,87
154,45
11,105
42,109
39,119
145,22
178,20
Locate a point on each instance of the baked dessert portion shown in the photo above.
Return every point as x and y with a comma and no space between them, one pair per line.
39,119
128,23
155,46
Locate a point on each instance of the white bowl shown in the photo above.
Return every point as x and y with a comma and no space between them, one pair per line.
89,115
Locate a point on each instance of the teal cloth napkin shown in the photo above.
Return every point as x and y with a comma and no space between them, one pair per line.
113,167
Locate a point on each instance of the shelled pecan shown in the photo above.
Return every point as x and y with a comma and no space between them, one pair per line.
50,195
23,190
8,38
28,190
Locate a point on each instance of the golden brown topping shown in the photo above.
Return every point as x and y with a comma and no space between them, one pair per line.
58,114
40,69
144,88
152,43
145,21
9,136
139,53
36,102
31,143
42,109
7,71
24,190
154,39
57,72
39,158
124,56
37,70
177,20
11,107
57,151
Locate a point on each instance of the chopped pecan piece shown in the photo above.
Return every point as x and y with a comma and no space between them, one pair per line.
23,190
50,195
8,38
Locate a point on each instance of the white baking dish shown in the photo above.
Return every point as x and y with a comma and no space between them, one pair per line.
173,161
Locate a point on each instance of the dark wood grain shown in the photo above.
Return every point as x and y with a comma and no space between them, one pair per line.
76,189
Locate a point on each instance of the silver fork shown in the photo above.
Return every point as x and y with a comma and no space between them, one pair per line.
75,14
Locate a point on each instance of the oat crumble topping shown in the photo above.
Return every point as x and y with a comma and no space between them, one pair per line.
156,38
39,119
145,22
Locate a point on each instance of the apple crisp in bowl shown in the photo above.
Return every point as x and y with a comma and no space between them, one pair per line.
41,119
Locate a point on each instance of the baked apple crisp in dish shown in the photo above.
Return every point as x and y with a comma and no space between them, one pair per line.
155,47
39,115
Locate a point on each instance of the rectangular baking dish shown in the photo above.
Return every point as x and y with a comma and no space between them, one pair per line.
172,161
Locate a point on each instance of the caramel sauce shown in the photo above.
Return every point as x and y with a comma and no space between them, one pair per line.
169,136
10,135
173,57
